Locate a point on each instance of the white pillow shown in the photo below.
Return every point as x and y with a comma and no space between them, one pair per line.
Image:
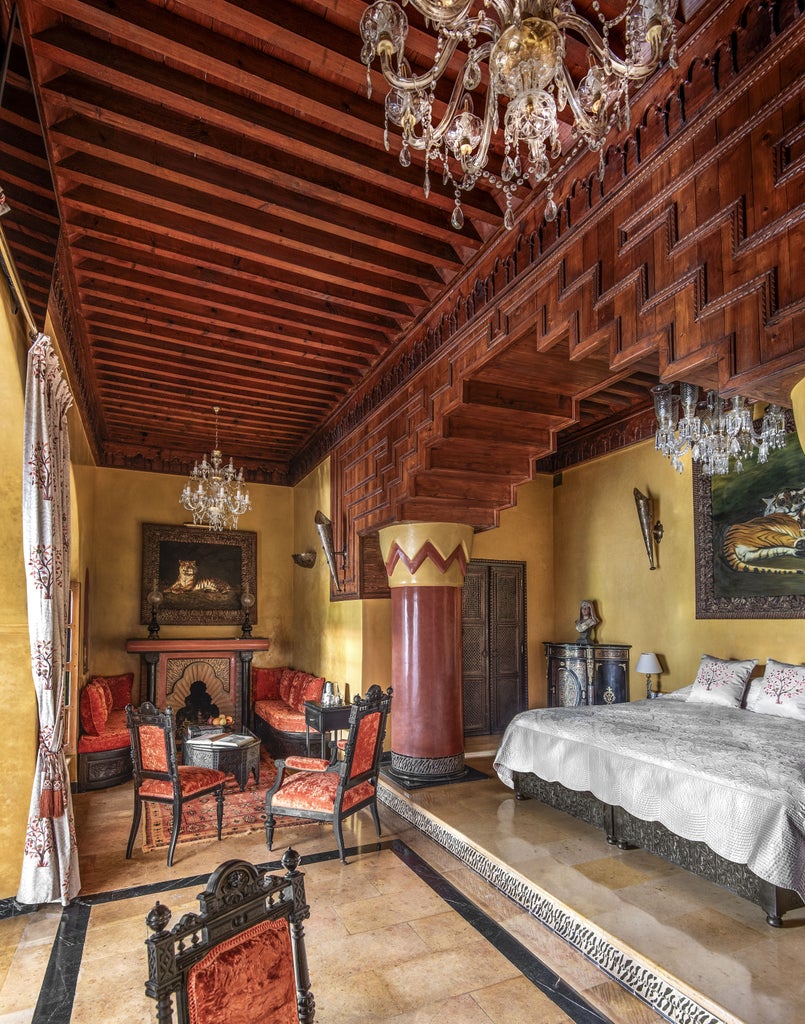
680,694
721,681
780,692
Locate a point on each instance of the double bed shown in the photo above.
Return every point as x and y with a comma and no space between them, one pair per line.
719,790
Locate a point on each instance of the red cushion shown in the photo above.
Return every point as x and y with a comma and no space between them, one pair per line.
120,688
312,690
300,680
92,709
266,683
308,764
192,780
286,682
252,969
280,716
114,737
107,693
315,791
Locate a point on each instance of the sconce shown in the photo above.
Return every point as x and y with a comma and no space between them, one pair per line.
155,599
650,664
652,535
325,528
307,559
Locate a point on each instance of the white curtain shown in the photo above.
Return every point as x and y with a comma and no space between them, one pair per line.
50,860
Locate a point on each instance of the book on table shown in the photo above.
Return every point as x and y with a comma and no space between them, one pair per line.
220,739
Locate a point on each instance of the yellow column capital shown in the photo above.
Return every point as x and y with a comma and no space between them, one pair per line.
426,554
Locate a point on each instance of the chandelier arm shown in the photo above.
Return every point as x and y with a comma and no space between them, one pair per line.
620,67
590,126
419,82
475,165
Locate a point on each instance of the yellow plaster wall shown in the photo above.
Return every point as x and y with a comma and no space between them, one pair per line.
118,503
328,635
599,554
526,534
17,697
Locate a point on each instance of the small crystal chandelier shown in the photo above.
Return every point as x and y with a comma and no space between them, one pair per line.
718,437
214,493
523,43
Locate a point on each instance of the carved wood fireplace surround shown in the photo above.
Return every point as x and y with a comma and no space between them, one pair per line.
222,665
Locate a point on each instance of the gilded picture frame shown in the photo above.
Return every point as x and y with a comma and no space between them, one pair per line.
202,574
738,576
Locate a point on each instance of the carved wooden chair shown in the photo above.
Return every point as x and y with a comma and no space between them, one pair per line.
333,790
157,774
241,959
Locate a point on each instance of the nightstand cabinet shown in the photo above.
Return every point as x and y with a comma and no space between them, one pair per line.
587,674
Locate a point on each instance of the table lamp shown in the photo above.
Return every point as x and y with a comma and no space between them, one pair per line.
650,664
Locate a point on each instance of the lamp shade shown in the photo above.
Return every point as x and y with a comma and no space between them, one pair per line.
648,663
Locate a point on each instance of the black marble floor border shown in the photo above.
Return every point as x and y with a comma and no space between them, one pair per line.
56,996
529,965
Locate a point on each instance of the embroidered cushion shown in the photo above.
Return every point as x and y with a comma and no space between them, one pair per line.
781,691
266,683
721,681
294,698
312,690
115,736
120,688
107,693
92,709
286,682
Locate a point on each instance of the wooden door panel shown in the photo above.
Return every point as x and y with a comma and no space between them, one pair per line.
475,653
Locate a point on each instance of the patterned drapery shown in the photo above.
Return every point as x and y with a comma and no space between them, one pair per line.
50,859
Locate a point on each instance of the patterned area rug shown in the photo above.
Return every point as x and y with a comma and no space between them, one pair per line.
243,812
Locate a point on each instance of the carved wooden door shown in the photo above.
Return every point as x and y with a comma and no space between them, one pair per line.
493,645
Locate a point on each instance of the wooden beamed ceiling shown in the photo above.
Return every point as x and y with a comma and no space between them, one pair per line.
234,233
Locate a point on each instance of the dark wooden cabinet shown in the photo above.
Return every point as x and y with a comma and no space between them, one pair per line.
493,645
587,674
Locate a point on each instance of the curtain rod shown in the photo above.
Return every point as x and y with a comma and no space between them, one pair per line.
18,292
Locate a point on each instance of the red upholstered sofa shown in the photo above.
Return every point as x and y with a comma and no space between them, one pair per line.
278,707
104,749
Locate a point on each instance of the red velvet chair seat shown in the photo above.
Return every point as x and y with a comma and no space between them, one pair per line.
313,791
192,780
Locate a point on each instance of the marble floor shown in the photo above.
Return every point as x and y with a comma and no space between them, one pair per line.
412,930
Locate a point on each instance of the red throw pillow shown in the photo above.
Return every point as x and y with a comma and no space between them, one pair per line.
266,683
286,682
107,693
93,710
120,688
312,690
295,697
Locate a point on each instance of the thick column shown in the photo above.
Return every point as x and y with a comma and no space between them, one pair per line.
425,563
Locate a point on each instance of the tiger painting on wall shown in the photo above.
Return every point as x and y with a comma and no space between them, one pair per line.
188,580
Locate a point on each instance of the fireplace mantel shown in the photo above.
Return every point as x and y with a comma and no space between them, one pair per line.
224,663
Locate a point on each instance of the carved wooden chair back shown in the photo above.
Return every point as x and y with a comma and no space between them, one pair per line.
157,774
241,959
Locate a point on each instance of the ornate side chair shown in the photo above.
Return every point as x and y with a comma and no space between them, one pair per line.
333,790
241,960
157,774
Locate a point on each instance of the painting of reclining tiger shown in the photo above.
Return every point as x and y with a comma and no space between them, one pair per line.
778,533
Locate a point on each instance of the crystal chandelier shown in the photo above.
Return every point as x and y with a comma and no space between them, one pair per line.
718,437
523,43
214,493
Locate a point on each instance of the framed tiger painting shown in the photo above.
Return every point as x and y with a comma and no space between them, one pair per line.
201,574
750,539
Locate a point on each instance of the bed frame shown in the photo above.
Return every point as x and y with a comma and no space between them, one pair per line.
626,832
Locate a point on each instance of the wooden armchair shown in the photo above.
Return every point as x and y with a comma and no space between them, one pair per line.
242,959
157,774
335,789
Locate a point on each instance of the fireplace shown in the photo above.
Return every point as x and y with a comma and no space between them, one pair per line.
223,667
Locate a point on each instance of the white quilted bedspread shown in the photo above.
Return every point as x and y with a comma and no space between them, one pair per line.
730,778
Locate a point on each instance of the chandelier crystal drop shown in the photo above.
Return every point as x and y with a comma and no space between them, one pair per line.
523,45
718,437
214,493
